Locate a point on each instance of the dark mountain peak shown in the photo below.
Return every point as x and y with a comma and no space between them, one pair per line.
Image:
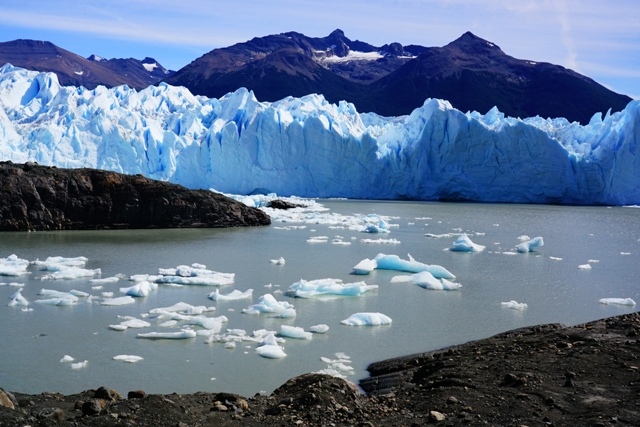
471,44
337,33
96,58
149,60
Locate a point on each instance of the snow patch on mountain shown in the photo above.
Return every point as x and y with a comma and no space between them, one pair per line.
312,148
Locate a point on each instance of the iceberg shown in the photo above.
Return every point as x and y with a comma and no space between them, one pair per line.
464,244
128,358
295,332
394,262
17,299
181,335
426,280
237,144
367,319
619,301
268,304
231,296
327,287
140,289
13,266
365,266
530,245
515,305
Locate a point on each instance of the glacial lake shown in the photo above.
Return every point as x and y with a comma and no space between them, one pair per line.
553,281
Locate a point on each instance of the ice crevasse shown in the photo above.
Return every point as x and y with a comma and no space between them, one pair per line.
312,148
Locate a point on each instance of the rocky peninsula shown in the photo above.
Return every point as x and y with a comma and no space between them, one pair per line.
547,375
37,198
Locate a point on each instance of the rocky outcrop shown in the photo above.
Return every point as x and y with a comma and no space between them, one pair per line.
34,197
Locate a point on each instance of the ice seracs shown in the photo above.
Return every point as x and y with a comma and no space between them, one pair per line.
299,145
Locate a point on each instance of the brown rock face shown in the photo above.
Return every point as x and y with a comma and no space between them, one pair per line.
34,197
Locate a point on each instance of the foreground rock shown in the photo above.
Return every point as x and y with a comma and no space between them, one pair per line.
546,375
34,197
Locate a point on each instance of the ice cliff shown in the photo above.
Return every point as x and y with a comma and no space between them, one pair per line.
309,147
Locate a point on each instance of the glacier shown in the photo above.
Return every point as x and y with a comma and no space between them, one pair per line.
311,148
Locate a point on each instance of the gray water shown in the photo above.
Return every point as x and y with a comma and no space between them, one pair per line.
556,291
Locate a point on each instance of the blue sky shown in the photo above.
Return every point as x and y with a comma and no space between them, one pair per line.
600,39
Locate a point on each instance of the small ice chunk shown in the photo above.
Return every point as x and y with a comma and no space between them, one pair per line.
530,245
140,289
119,301
54,263
381,241
402,279
514,305
295,332
232,296
112,279
13,266
80,365
367,319
319,329
67,359
365,266
183,334
426,280
279,261
17,299
70,273
323,287
584,266
268,304
393,262
464,244
620,301
271,352
128,358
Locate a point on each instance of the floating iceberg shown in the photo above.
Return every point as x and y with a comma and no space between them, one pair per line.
13,266
515,305
181,335
118,301
464,244
530,245
128,358
232,296
17,299
55,263
426,280
325,287
196,274
268,304
620,301
295,332
367,319
270,348
140,289
279,261
319,329
365,266
63,272
393,262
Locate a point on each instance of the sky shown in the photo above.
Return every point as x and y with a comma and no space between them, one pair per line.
599,39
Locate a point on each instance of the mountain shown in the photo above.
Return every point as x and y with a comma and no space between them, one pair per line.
392,80
312,148
74,70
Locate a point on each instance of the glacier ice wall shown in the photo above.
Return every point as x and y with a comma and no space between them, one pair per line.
309,147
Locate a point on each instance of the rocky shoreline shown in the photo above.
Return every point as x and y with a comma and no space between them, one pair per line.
38,198
547,375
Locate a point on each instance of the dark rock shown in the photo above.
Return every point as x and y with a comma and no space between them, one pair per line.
282,204
94,406
43,198
136,394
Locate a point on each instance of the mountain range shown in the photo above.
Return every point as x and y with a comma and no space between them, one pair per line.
74,70
473,74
